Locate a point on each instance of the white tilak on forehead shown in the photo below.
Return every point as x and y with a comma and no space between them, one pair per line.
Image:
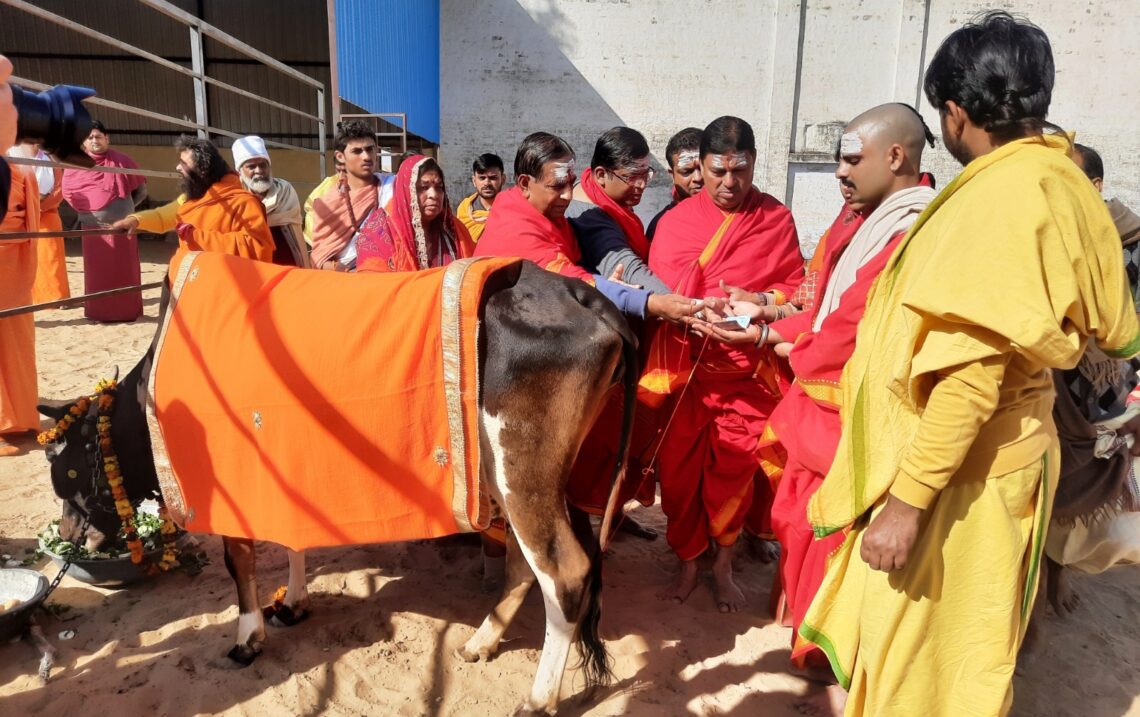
740,159
561,171
850,143
688,158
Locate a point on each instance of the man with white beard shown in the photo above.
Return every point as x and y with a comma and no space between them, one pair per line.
282,206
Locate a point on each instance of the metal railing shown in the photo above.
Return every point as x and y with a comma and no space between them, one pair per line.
387,117
198,29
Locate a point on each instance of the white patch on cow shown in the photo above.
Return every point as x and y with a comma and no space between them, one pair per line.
493,429
688,158
556,644
250,624
850,143
298,589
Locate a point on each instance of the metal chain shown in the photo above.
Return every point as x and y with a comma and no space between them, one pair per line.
66,564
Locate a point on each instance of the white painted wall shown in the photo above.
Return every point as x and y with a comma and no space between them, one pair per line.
578,67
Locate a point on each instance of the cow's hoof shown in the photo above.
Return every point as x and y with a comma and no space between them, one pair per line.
526,710
243,655
469,655
285,616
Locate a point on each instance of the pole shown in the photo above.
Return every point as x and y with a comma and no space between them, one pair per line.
76,299
198,64
64,233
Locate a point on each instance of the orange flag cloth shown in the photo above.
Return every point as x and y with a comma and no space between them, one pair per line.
316,408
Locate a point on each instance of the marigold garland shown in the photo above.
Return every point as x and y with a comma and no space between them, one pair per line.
74,412
105,392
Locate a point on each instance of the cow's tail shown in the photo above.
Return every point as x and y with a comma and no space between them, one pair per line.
596,665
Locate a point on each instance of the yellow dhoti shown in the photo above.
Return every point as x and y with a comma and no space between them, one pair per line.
941,637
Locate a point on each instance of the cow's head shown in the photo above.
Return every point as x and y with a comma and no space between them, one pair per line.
77,480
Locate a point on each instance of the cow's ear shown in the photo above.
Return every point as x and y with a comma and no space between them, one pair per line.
116,377
56,412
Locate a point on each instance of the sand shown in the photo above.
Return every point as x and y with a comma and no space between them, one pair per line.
388,618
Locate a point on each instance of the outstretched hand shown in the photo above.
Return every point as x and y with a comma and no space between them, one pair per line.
1132,428
131,224
891,536
672,307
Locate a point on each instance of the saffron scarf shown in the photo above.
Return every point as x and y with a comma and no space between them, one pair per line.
629,222
474,219
339,212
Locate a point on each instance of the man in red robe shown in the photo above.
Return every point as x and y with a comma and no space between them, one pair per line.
884,193
729,232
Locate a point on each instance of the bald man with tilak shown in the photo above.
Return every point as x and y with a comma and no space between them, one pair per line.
884,192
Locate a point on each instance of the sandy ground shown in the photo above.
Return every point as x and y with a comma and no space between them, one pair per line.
389,617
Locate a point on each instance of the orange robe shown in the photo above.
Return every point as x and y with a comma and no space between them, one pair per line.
18,387
708,461
275,418
51,255
226,219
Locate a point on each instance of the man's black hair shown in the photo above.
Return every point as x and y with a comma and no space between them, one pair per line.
999,69
536,150
727,135
351,130
97,125
1091,162
688,139
487,161
619,147
209,163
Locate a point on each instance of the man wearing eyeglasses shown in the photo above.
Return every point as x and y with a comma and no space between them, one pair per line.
601,213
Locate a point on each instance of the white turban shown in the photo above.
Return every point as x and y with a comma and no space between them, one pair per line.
248,148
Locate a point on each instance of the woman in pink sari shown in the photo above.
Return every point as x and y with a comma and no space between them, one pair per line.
419,230
110,261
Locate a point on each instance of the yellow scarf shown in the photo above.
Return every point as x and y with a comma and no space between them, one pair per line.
1017,254
474,219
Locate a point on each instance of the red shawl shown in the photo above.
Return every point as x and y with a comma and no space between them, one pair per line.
697,245
629,222
515,228
88,190
396,245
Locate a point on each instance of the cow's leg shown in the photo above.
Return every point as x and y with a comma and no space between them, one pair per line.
562,570
295,607
240,562
532,495
519,578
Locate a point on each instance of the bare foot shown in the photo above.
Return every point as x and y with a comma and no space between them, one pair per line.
828,703
729,597
1058,590
766,551
679,590
7,449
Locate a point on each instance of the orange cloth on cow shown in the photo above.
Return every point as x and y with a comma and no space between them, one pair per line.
18,387
51,255
517,229
708,461
275,418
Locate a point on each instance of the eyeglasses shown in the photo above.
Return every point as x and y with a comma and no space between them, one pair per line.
639,180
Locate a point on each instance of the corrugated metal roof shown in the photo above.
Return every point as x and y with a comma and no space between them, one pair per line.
293,31
388,59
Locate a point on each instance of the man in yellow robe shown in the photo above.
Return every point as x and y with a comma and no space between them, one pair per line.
946,469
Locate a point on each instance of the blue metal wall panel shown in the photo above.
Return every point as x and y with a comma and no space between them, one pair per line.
388,59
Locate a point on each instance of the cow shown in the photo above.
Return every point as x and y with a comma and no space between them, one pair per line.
549,351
